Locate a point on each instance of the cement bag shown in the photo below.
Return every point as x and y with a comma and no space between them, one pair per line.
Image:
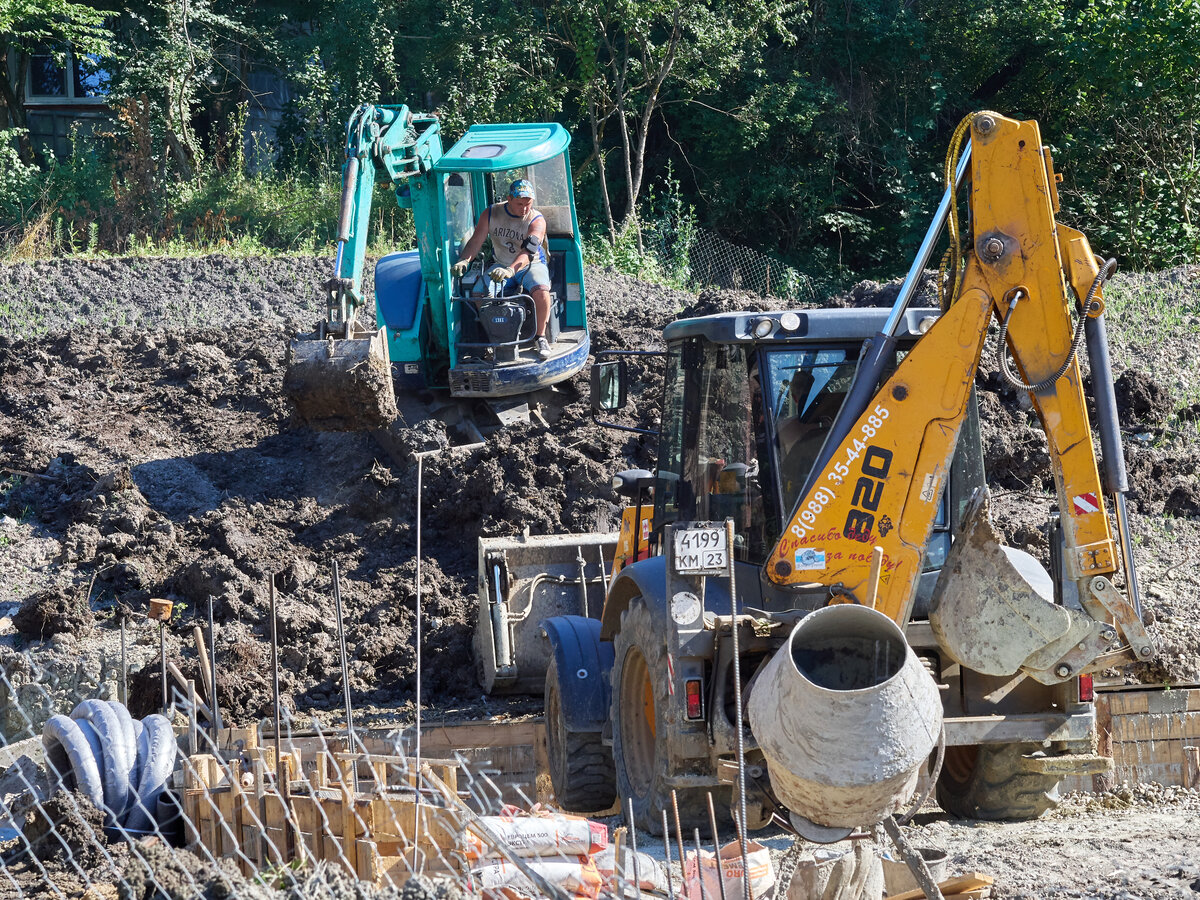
577,876
839,872
650,873
542,833
762,873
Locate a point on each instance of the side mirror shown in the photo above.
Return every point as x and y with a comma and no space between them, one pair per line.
610,385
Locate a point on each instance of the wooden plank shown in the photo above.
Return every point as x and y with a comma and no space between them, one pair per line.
275,819
957,885
479,734
1156,727
346,782
1122,703
230,830
210,822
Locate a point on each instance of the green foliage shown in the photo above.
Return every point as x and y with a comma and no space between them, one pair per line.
1129,127
655,245
27,25
19,181
812,132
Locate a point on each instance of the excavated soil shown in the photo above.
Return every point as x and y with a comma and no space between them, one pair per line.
146,451
141,399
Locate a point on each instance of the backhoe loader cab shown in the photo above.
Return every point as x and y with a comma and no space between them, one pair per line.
745,418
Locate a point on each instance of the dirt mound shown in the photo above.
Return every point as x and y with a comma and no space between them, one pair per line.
77,824
169,465
48,613
1141,399
873,293
713,301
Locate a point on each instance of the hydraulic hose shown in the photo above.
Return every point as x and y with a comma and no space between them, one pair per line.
1076,342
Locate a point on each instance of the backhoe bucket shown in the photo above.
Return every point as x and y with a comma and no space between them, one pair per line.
522,582
341,384
993,607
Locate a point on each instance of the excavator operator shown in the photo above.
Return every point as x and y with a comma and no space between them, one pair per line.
518,235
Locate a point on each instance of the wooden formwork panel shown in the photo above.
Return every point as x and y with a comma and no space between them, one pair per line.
1146,733
510,754
370,832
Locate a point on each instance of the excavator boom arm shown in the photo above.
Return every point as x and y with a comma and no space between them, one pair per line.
388,140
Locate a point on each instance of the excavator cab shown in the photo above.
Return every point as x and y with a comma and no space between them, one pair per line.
434,330
460,332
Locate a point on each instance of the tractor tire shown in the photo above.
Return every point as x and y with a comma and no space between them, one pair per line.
581,767
987,781
641,755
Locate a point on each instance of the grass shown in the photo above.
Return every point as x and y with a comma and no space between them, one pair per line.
228,214
1147,315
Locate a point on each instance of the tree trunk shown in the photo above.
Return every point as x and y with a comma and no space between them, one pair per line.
643,128
14,100
600,166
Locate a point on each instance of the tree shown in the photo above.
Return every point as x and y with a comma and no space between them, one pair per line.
172,53
1128,74
630,58
29,26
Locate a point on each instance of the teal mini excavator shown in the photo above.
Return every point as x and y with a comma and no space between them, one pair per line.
437,333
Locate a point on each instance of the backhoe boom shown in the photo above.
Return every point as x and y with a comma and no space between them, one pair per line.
881,483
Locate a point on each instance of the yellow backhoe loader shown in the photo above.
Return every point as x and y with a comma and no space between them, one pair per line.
841,450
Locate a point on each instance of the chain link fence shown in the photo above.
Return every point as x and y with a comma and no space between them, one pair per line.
697,259
302,812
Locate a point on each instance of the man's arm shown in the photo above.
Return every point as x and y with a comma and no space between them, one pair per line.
537,232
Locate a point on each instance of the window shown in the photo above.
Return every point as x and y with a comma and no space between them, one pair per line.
49,82
708,454
551,187
806,387
460,212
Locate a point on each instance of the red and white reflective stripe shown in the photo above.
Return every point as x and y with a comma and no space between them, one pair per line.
1086,503
670,675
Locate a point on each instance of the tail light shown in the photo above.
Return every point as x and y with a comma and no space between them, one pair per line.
694,696
1087,692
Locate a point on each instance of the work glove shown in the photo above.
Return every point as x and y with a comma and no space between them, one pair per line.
501,273
459,269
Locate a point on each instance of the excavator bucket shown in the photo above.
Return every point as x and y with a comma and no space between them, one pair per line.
341,383
993,607
522,582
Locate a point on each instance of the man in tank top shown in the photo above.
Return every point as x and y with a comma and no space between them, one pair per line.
518,234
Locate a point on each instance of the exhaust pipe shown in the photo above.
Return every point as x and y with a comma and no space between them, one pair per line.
845,714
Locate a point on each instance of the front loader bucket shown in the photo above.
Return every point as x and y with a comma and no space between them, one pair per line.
993,607
522,582
341,384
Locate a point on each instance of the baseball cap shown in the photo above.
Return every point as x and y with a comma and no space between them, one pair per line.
521,188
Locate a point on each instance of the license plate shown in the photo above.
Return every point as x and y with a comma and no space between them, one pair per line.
701,550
